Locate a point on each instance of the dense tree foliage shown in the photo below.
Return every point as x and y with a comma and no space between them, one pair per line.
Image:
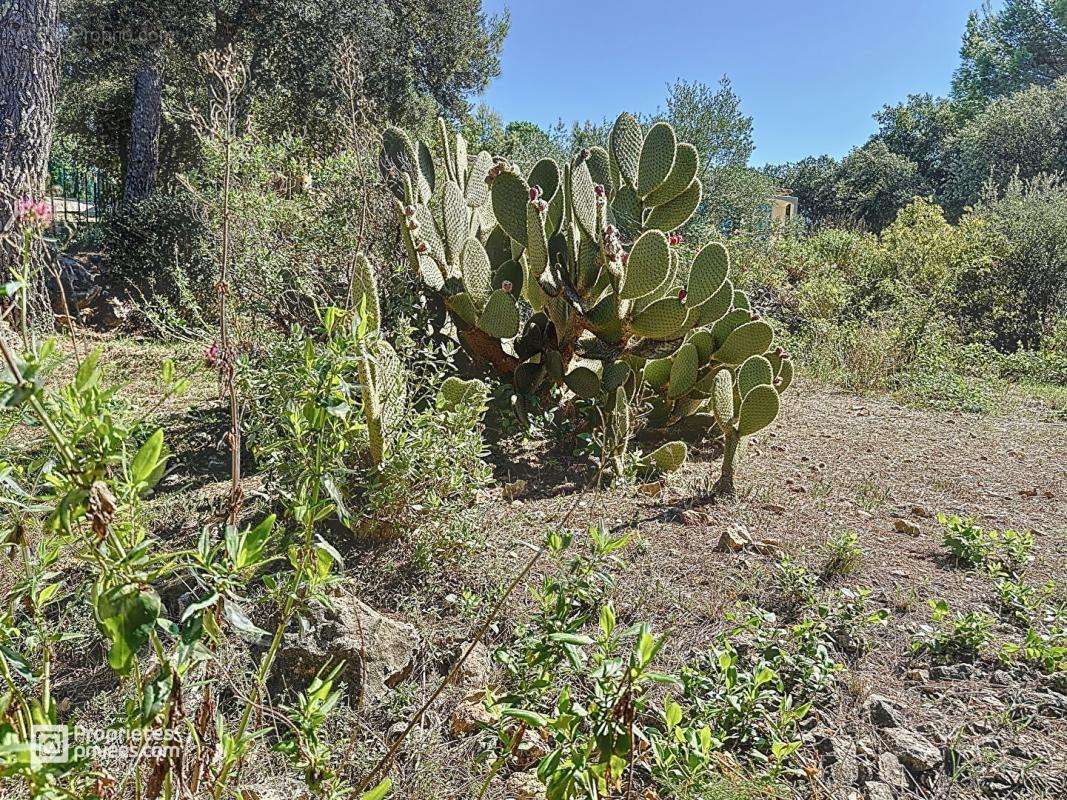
411,59
1022,44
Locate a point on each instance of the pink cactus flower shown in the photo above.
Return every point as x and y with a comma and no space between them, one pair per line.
682,294
213,355
624,258
506,286
535,193
598,190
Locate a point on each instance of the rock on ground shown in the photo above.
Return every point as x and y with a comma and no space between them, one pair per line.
914,751
378,652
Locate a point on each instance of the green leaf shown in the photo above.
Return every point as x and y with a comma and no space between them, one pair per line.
571,638
380,791
88,375
529,717
236,616
18,663
147,458
126,615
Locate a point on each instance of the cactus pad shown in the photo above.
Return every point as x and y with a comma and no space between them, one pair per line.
746,340
669,457
657,158
500,318
536,242
626,143
615,376
663,319
708,273
477,272
510,197
463,306
758,410
455,392
647,267
477,190
675,213
584,379
756,371
722,398
686,163
365,290
456,221
684,368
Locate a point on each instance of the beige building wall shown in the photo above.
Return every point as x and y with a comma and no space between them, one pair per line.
784,208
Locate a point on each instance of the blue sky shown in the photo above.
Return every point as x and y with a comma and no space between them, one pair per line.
810,74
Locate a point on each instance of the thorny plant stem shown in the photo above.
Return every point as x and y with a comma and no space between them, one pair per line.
387,759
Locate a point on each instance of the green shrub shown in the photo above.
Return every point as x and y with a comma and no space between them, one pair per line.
1024,297
162,248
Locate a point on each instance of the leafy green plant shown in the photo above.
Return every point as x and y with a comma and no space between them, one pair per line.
841,554
329,408
953,635
975,546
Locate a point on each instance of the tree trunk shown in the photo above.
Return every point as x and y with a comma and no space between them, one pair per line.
142,168
29,83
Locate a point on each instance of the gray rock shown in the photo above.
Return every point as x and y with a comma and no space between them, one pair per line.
891,771
1052,703
914,751
378,653
840,761
884,712
875,790
470,716
952,672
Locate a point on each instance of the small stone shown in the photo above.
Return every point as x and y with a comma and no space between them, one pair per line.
470,716
512,490
907,526
651,489
768,547
734,538
1002,677
914,751
952,672
891,771
876,790
920,511
883,712
474,673
1053,704
524,786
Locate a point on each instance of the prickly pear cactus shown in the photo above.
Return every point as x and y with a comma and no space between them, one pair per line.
574,275
382,381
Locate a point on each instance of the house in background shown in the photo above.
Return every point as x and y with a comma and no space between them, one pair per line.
784,207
